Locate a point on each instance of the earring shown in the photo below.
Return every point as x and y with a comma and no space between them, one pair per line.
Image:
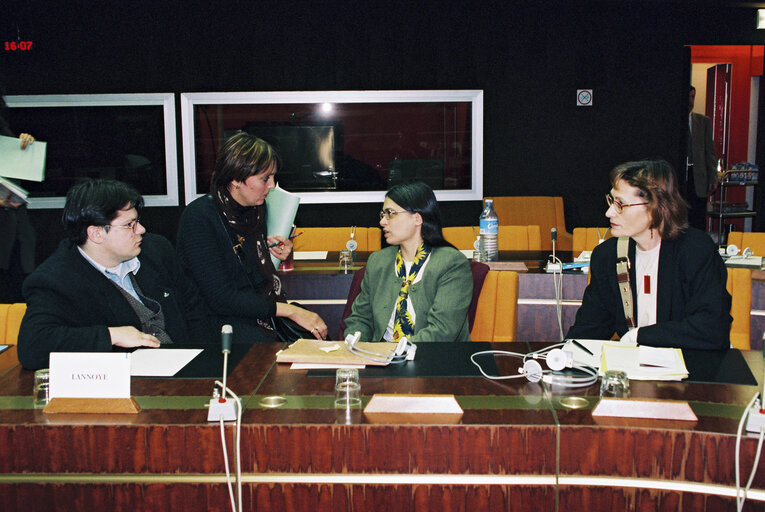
651,233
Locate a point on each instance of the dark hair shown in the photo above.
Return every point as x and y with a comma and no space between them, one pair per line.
96,203
242,155
418,197
657,184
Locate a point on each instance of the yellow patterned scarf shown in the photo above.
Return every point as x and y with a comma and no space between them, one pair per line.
403,324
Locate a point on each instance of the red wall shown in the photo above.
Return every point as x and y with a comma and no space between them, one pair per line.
747,61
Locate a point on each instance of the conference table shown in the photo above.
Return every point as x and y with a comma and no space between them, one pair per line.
518,445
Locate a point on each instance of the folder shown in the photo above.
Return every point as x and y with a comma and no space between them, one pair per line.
24,164
282,207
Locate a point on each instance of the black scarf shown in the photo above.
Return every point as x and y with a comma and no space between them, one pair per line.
249,222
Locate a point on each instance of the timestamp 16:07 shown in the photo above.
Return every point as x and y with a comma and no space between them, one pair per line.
12,46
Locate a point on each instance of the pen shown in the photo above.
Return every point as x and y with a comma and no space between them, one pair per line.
582,347
282,243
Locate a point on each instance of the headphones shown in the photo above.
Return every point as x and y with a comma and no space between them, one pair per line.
732,250
404,351
556,359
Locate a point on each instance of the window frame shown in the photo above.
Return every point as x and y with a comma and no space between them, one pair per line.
475,97
166,100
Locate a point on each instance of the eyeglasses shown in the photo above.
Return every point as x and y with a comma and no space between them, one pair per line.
130,225
618,205
389,213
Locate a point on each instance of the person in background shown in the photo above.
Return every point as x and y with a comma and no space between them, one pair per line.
677,276
223,246
17,236
109,284
421,286
700,179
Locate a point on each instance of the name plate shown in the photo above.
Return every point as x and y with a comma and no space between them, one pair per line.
89,375
431,409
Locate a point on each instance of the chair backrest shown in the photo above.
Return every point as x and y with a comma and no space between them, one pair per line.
543,211
479,271
754,240
739,286
10,321
586,239
511,238
497,311
334,239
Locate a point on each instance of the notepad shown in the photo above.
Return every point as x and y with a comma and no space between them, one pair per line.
645,363
595,348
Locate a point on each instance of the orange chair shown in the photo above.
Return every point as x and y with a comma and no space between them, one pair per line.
511,238
739,286
586,239
334,239
10,321
755,241
496,316
543,211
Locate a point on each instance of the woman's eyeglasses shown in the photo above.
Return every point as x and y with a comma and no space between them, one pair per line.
618,205
389,213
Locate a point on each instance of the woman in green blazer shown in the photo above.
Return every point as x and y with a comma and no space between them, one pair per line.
420,286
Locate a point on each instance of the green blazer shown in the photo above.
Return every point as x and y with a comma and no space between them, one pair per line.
440,298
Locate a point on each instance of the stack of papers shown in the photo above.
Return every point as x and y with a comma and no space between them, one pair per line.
744,261
644,363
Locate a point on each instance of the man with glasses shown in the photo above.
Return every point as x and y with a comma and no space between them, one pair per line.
109,284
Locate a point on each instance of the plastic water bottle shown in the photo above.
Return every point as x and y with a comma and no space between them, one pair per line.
489,232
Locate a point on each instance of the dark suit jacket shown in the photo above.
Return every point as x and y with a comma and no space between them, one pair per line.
692,305
704,155
70,304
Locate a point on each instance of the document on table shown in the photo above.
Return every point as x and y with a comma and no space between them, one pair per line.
160,362
310,255
645,363
25,164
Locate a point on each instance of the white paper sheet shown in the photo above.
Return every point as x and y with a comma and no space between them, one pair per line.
647,409
160,362
26,164
310,255
321,366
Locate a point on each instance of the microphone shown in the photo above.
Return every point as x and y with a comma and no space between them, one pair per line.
554,236
225,341
220,407
552,263
225,338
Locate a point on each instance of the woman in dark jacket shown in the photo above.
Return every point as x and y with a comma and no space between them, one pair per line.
223,246
676,275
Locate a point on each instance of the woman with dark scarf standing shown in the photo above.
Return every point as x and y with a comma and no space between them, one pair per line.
223,246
